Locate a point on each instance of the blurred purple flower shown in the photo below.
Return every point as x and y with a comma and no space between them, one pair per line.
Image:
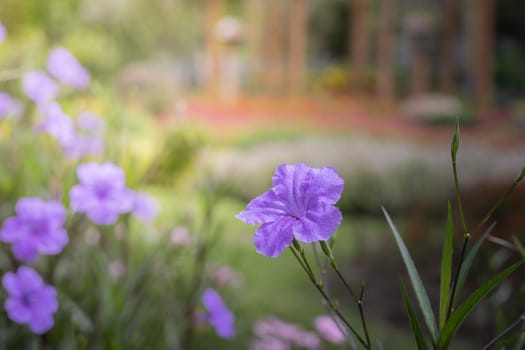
101,193
65,67
30,300
145,208
226,276
58,124
10,106
286,333
327,327
3,32
218,315
117,269
180,237
87,136
269,343
36,228
300,205
90,123
39,87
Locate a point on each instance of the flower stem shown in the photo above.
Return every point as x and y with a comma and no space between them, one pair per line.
304,264
458,271
507,330
358,300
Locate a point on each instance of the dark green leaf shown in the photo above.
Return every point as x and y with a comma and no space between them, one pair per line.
446,270
415,280
416,329
467,263
458,316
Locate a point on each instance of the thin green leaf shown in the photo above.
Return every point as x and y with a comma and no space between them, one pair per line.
415,280
467,263
455,142
458,316
446,270
519,246
416,329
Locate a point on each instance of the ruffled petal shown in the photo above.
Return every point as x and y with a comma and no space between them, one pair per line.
289,185
265,208
318,224
41,324
325,184
273,237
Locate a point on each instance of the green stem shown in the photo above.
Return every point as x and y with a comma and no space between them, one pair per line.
358,300
458,196
458,271
304,264
502,198
507,330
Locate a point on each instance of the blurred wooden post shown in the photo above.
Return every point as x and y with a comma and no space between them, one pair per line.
419,26
255,22
298,15
359,44
481,33
385,83
449,34
274,47
214,10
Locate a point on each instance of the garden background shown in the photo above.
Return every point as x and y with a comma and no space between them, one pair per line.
203,99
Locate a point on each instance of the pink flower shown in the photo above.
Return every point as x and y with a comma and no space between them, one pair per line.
329,329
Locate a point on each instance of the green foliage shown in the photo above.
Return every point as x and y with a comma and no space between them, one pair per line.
180,149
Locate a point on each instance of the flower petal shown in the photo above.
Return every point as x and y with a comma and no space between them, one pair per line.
325,184
318,224
273,237
289,185
265,208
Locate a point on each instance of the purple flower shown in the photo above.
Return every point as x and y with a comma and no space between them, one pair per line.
36,228
329,329
300,205
30,301
101,193
218,315
145,208
90,123
3,32
10,106
65,67
39,87
58,124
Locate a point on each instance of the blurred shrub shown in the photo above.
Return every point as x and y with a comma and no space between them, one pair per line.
96,50
510,67
177,154
337,79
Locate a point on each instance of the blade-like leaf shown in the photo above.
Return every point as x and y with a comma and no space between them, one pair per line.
467,263
446,270
458,316
519,246
415,280
455,142
416,329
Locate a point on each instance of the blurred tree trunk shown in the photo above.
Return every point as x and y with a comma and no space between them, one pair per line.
385,83
359,44
449,36
481,34
214,10
255,21
274,46
298,15
419,70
